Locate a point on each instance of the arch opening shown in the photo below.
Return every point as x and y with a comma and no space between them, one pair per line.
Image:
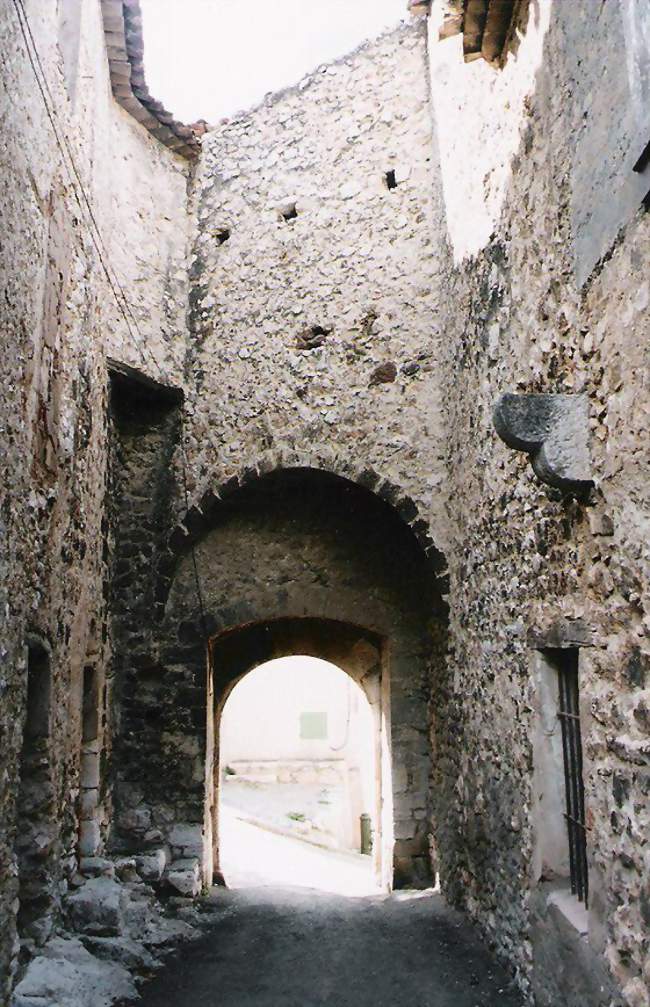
293,562
350,654
297,778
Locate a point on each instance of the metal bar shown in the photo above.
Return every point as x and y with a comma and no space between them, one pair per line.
582,834
567,787
577,821
579,832
567,675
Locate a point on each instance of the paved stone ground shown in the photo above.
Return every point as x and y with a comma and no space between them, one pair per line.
251,856
296,947
324,807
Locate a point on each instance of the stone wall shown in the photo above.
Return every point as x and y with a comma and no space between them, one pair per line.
60,320
316,336
523,559
302,545
337,322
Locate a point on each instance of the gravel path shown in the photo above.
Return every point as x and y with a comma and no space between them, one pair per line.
301,948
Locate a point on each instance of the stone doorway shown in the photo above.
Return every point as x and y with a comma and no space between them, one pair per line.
361,654
297,561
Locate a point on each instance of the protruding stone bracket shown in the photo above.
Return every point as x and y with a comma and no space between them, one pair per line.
554,431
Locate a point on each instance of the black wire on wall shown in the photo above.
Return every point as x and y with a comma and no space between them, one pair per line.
138,341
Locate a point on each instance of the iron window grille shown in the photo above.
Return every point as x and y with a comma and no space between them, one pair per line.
566,662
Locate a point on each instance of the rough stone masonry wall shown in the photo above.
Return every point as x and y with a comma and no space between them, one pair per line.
315,299
299,545
315,338
520,557
59,321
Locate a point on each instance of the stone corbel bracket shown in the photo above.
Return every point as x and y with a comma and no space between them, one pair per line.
554,431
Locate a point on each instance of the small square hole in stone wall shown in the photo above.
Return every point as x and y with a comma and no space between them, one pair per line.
391,181
289,212
223,235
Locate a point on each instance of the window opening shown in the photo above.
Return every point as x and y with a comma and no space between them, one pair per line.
223,235
35,832
37,723
90,711
566,663
391,180
313,726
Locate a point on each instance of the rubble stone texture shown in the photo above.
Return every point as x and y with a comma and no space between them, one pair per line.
347,281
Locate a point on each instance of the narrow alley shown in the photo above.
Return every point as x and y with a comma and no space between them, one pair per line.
324,452
291,947
275,941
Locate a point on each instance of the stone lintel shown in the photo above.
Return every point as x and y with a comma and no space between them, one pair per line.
560,634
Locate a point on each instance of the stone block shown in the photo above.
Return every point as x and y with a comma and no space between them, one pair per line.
97,908
90,770
136,820
151,866
68,975
94,867
554,431
187,840
90,838
184,876
123,950
88,802
126,870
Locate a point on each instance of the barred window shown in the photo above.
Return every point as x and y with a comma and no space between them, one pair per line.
565,662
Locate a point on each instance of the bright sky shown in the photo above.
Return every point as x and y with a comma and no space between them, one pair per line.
206,59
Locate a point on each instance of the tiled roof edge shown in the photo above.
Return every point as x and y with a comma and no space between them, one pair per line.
125,47
486,25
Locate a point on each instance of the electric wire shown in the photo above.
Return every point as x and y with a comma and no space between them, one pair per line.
94,231
64,147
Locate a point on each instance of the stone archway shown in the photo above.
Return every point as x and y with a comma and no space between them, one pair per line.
298,548
358,652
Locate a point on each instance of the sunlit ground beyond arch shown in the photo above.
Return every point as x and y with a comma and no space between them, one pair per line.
297,773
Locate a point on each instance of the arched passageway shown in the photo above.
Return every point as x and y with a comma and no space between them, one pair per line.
297,787
294,562
360,653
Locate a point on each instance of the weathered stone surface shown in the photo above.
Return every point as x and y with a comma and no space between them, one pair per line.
94,867
60,320
126,951
67,975
98,908
187,840
554,431
184,876
150,866
476,252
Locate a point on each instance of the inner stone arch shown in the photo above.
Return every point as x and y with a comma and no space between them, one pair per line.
295,561
355,651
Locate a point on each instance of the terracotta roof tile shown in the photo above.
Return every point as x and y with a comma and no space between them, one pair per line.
125,47
484,24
